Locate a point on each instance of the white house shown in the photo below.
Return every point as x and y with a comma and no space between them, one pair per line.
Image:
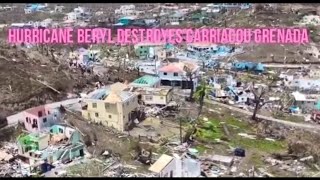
168,166
305,84
304,102
312,51
176,17
46,23
176,74
155,96
149,67
202,47
72,16
79,10
126,10
310,20
28,11
58,9
314,73
169,8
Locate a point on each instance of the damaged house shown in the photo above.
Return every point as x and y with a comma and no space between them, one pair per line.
168,8
248,66
155,96
306,103
313,20
182,74
146,81
126,10
114,106
32,8
38,118
176,18
239,94
224,80
60,143
314,73
150,50
149,67
176,166
312,51
304,83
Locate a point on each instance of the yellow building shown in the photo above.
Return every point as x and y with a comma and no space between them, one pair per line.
112,107
155,96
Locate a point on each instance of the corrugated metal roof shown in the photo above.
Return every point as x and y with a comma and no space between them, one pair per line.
146,80
104,93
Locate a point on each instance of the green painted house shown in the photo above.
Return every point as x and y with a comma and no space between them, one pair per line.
143,50
59,143
146,81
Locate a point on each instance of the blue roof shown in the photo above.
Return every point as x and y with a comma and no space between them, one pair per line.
34,7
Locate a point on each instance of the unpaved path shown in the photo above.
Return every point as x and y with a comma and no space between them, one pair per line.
313,127
294,124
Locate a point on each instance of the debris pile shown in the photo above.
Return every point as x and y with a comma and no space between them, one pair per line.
9,167
289,165
217,165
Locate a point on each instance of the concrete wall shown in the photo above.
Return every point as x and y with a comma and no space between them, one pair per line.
305,83
44,142
306,105
51,119
180,77
314,73
115,115
170,76
158,99
170,167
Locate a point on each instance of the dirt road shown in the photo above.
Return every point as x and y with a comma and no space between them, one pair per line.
300,125
313,127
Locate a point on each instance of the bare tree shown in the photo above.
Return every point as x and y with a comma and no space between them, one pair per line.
260,95
190,74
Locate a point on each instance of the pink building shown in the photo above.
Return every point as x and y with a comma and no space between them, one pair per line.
41,117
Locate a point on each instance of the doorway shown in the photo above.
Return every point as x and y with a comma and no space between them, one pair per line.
81,152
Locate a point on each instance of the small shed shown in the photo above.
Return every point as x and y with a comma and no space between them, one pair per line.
164,166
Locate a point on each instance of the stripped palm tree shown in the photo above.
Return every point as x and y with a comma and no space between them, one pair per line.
202,91
190,76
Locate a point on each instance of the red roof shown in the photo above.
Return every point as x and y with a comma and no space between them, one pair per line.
35,110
